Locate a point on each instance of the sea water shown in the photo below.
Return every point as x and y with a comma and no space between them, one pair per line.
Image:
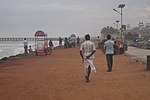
11,48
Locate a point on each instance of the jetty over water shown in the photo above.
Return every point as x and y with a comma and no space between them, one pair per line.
28,39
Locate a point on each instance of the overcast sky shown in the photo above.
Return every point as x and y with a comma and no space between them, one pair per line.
22,18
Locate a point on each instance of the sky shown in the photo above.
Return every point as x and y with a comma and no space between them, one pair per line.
60,18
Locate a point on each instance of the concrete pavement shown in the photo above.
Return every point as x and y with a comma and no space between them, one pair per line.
139,54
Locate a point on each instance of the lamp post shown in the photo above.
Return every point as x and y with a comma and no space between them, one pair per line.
124,44
117,23
120,6
117,32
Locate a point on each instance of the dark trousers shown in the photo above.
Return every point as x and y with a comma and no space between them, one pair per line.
25,49
109,58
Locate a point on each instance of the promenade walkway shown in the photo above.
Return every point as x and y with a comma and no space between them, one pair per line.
138,53
60,76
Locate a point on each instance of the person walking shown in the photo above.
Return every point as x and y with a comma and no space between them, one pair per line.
51,44
98,42
109,51
25,42
116,48
66,43
60,42
87,51
78,41
45,46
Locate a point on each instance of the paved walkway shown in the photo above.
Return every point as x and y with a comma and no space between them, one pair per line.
60,76
140,54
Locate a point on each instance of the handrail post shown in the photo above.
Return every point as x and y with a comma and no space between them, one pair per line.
148,62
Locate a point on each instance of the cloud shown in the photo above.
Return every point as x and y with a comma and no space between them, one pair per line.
66,16
50,7
147,8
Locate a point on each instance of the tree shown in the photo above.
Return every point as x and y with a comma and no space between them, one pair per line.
108,30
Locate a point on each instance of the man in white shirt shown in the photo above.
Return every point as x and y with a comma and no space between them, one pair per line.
98,42
87,51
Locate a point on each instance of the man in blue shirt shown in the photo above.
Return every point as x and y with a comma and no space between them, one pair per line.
109,51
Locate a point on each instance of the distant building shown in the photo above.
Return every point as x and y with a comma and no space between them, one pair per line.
141,25
142,30
128,27
147,25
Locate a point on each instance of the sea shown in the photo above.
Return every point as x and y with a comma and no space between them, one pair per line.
12,48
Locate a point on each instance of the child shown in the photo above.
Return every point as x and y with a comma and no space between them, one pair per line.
30,49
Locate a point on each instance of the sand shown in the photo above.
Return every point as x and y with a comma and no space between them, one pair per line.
60,76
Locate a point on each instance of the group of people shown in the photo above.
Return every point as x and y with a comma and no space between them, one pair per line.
87,51
69,42
48,45
100,44
45,45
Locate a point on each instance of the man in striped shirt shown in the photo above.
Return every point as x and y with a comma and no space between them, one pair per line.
87,51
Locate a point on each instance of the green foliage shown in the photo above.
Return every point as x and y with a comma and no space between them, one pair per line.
108,30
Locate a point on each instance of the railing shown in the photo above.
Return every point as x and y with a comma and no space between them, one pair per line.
28,39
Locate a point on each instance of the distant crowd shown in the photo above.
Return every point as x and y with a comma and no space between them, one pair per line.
63,43
87,50
69,42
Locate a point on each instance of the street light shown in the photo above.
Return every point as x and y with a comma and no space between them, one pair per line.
115,25
120,6
117,32
117,11
117,21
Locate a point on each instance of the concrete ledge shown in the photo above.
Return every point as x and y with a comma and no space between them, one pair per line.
136,57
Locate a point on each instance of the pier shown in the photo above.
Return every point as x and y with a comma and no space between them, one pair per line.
28,39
